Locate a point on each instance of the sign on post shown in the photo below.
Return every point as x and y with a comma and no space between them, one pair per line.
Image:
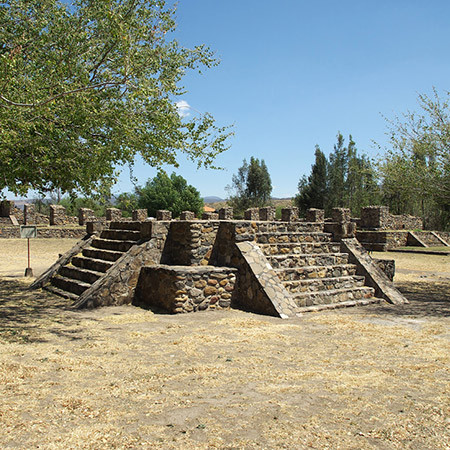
27,232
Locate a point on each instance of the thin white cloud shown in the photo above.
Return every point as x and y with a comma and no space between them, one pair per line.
183,108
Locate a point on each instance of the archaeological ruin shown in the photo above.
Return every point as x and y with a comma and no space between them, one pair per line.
277,267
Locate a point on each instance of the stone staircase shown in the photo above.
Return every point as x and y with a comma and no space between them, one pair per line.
312,268
94,261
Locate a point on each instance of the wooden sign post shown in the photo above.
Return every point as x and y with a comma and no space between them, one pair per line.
28,231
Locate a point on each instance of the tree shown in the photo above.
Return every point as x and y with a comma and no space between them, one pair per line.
314,189
251,186
415,169
170,193
345,180
86,86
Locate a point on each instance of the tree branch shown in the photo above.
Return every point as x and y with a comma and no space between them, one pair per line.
62,94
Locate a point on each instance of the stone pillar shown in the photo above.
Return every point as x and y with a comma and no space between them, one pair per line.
315,215
374,217
113,214
85,214
163,214
341,215
289,214
6,208
187,215
139,215
94,227
29,214
341,226
226,213
210,216
251,214
267,213
57,215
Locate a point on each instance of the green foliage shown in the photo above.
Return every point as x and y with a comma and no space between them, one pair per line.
171,193
73,205
250,187
127,202
313,190
86,86
345,180
416,166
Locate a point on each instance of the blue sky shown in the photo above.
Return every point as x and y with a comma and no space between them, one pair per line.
293,73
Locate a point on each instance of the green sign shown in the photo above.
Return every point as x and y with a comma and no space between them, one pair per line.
28,231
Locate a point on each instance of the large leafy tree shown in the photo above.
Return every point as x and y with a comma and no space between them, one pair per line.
85,86
251,186
170,193
416,166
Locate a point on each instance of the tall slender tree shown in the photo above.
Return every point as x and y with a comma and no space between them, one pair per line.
251,186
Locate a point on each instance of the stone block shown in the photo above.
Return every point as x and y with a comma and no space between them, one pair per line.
251,214
57,215
85,214
94,227
341,215
267,213
315,215
139,215
6,208
163,214
187,215
210,216
29,214
113,214
289,214
226,213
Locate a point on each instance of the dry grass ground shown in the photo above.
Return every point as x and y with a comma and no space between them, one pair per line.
122,377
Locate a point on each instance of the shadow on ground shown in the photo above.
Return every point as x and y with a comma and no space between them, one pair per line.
27,315
426,299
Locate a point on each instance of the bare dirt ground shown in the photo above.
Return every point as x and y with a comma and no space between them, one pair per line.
121,377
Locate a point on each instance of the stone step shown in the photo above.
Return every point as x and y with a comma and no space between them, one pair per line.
105,255
346,304
288,227
321,284
304,247
302,273
125,225
333,296
112,244
274,238
76,273
67,284
307,259
61,292
121,235
96,265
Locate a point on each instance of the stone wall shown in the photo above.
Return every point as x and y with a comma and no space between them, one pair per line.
181,289
382,240
379,217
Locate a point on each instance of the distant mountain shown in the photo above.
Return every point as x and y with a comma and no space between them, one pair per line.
212,199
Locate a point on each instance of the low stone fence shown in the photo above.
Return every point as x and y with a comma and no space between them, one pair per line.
181,289
45,232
